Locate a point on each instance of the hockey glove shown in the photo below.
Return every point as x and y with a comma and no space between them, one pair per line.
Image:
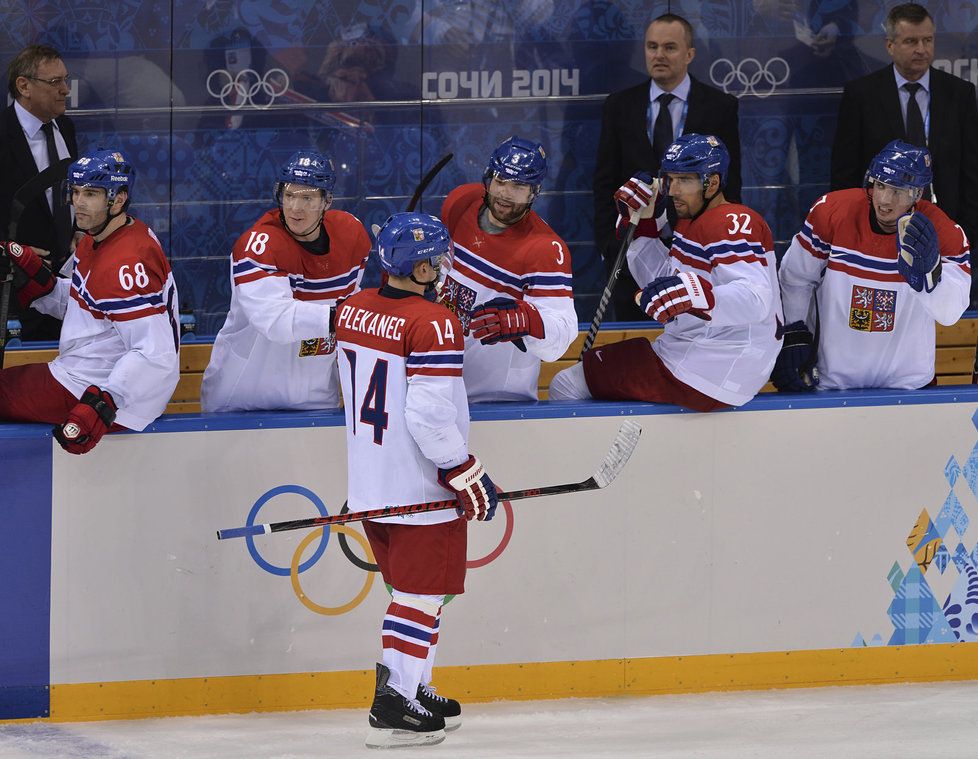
665,298
794,369
918,256
90,418
639,200
474,490
32,279
503,319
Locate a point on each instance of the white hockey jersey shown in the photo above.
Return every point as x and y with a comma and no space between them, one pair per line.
400,363
526,262
875,330
120,329
731,356
273,351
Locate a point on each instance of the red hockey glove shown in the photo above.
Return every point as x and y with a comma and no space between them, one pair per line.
36,280
90,418
474,490
667,297
502,319
639,200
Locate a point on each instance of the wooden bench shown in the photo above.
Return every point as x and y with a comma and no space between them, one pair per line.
955,359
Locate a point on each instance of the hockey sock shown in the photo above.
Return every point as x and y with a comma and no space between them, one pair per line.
409,626
430,661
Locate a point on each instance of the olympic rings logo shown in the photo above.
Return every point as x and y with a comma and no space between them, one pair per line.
345,534
750,77
247,87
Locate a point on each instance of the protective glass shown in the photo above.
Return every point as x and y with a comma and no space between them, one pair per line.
900,195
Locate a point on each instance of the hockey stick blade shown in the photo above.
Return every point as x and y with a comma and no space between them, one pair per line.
614,462
427,180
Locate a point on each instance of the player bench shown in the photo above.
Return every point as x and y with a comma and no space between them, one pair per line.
955,359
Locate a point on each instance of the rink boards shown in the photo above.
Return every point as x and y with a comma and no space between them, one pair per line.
795,542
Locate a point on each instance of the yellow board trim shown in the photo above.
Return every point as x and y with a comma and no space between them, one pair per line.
587,679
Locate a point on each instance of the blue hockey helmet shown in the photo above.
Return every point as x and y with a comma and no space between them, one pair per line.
309,168
518,160
109,170
901,164
407,238
701,154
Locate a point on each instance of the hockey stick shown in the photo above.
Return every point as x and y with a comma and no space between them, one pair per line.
621,450
25,194
608,288
427,179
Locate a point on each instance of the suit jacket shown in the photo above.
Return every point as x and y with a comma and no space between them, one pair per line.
36,226
624,146
870,117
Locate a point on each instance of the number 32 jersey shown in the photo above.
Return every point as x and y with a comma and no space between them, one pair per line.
400,366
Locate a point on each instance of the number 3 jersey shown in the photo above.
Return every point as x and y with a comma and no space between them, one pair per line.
274,350
528,262
120,329
729,357
874,329
400,365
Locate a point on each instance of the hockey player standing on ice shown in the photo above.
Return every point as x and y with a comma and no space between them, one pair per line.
407,417
118,359
870,272
287,272
511,282
715,290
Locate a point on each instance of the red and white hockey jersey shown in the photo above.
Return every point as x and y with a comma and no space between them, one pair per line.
120,329
400,363
271,352
875,330
731,356
528,262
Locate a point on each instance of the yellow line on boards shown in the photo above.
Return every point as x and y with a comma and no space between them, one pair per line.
532,680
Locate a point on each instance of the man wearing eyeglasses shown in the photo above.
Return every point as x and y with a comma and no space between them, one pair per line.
34,133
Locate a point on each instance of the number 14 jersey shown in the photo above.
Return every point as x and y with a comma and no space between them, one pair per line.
400,366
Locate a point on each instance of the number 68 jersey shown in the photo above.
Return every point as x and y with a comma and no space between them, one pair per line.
400,366
120,328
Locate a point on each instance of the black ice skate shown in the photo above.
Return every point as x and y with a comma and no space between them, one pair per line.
398,721
441,706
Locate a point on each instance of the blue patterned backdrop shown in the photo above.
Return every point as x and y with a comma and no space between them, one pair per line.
210,96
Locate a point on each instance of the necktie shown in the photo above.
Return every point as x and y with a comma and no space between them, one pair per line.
662,135
62,216
915,122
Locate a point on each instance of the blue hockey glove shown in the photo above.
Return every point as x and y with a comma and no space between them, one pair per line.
918,255
794,369
665,298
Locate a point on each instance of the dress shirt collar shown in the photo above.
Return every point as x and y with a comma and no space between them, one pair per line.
30,123
681,91
924,81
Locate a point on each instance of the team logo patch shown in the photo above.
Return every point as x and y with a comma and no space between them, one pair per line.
872,309
418,234
460,300
317,346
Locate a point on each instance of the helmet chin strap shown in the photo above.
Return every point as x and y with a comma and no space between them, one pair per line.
706,201
309,231
109,217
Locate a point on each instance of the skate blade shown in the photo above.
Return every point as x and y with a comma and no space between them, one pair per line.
453,723
386,738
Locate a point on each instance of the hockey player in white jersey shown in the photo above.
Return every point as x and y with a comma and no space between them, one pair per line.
511,284
287,272
407,423
870,273
118,357
715,290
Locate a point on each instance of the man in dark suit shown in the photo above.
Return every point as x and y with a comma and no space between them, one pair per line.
636,129
922,105
34,133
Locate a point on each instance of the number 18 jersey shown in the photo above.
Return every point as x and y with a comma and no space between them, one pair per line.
400,366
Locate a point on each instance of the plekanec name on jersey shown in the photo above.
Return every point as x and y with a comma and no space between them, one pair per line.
371,323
